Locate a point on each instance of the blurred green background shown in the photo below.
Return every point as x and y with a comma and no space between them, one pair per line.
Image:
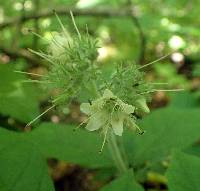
140,31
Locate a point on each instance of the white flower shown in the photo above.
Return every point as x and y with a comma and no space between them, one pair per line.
108,112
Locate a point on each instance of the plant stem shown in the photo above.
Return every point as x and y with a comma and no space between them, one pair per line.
116,154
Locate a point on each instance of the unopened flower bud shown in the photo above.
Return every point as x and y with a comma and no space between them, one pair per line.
141,106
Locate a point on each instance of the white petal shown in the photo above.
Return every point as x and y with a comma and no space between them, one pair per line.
85,108
96,121
117,125
97,104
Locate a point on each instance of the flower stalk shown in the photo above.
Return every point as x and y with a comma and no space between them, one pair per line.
116,153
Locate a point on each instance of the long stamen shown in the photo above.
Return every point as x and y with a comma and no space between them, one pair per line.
21,72
31,122
141,132
85,121
104,140
157,60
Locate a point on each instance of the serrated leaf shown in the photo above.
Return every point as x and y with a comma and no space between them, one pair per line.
124,183
22,166
183,173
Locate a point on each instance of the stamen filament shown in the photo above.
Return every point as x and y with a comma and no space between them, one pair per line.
104,140
141,132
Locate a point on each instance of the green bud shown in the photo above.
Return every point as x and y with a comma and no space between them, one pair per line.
141,106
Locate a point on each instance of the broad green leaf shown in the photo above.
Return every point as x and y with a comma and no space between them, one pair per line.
79,147
194,149
22,166
17,100
183,173
123,183
166,129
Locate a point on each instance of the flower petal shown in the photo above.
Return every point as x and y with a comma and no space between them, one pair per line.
96,121
97,105
117,125
86,108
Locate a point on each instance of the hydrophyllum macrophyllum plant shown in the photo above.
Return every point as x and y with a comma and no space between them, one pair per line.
113,105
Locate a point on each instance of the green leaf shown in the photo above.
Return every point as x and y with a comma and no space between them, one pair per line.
17,100
166,129
79,147
193,150
22,166
183,173
183,100
125,182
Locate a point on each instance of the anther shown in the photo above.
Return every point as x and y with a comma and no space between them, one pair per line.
141,132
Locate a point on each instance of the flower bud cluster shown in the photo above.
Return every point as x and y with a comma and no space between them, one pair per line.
73,65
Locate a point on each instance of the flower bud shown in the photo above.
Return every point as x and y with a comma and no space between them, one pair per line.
141,106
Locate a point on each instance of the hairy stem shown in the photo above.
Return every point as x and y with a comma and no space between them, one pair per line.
116,154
